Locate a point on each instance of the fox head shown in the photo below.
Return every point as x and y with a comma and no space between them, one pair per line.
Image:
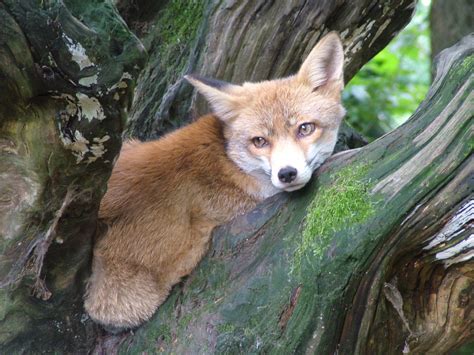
282,130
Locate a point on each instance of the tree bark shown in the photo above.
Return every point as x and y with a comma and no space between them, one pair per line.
66,78
374,257
241,41
450,21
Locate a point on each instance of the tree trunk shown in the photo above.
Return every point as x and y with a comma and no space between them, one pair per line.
66,78
242,41
374,257
450,21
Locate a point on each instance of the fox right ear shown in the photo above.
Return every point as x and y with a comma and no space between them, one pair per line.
220,95
324,64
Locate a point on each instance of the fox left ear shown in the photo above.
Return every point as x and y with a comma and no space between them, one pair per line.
324,64
221,95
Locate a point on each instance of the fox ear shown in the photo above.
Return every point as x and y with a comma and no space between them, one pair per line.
220,95
324,64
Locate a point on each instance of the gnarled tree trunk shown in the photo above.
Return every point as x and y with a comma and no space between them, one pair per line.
449,22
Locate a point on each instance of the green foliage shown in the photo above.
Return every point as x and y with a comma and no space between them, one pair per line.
389,88
466,349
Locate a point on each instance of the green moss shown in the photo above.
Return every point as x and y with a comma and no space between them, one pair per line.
184,321
102,16
225,328
342,204
177,27
468,62
157,339
465,349
164,332
170,40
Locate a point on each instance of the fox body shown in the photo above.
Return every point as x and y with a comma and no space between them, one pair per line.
164,197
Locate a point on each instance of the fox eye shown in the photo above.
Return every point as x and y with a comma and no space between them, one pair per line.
306,129
259,142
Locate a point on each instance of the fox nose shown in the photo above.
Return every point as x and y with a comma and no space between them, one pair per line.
287,174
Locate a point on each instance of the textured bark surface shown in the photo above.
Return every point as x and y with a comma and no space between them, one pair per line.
242,41
450,21
374,257
66,77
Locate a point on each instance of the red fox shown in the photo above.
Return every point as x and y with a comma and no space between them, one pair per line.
165,197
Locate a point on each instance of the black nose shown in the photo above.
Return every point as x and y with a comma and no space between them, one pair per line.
287,174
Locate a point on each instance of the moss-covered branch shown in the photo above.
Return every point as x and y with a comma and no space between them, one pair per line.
375,257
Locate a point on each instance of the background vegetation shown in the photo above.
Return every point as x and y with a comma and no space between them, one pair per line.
390,87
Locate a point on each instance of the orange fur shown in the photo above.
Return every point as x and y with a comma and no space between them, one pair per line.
165,197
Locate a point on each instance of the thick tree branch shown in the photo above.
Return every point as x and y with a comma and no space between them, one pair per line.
378,247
